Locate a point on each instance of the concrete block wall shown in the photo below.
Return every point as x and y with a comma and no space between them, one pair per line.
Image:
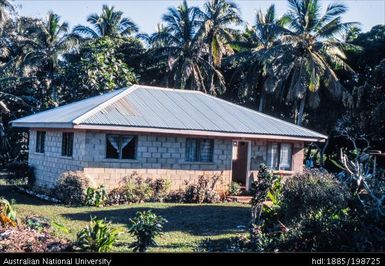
157,157
48,166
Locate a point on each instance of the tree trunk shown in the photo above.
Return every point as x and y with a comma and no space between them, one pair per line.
301,109
323,152
261,106
211,71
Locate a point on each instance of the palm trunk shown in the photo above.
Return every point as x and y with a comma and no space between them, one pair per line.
323,152
261,106
301,109
211,72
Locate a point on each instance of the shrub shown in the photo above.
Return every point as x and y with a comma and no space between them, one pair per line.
202,191
235,189
160,189
311,192
96,197
22,170
315,213
118,196
145,227
175,196
136,189
71,187
97,236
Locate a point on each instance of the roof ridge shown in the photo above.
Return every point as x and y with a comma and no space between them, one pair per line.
102,105
168,89
263,114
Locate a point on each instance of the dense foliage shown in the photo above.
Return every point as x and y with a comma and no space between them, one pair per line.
71,188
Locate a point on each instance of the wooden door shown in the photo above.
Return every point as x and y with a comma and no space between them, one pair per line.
239,170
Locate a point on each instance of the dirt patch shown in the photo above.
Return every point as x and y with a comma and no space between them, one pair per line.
23,239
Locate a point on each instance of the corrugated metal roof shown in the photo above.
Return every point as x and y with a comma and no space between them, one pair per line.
153,107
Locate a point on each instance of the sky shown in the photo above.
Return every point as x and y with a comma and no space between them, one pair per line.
148,13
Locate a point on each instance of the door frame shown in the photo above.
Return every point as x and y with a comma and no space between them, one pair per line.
248,172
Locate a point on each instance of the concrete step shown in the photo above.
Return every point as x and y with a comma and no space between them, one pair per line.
240,199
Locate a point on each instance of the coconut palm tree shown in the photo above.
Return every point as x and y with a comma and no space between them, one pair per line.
109,23
50,40
184,50
254,43
308,54
218,16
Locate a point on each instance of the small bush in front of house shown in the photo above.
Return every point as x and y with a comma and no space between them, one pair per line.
309,212
313,191
144,228
203,190
235,189
136,189
160,189
21,170
97,236
71,187
175,196
96,196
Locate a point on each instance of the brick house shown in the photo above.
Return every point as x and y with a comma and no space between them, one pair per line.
159,132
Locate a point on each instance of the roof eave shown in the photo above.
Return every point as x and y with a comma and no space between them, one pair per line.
234,135
41,124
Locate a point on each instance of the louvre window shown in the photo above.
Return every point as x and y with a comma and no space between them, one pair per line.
67,144
199,150
121,147
40,141
279,156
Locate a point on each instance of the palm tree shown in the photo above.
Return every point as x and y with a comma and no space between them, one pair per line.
50,40
109,23
308,54
183,47
217,17
254,43
5,7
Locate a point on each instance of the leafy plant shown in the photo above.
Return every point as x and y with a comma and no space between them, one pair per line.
60,227
145,227
235,188
37,223
97,236
7,213
96,197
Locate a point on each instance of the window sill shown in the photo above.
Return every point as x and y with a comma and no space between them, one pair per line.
120,161
66,157
199,163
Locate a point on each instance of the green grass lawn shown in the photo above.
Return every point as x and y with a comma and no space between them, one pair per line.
187,223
